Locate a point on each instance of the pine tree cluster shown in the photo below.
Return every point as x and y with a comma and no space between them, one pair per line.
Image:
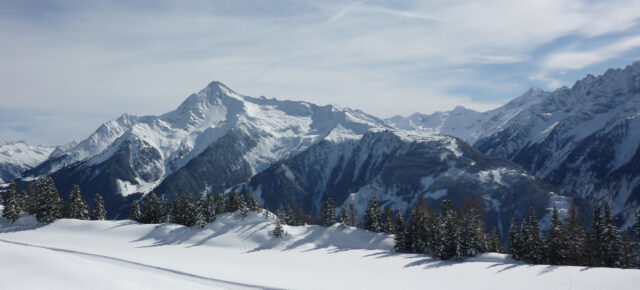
187,211
42,200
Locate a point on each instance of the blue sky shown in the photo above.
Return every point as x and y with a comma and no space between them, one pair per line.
68,66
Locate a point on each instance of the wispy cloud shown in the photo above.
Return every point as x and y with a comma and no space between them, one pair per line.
385,57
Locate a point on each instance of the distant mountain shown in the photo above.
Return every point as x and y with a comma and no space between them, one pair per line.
399,170
214,140
585,139
19,156
286,151
466,124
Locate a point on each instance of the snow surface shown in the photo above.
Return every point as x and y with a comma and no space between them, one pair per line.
232,253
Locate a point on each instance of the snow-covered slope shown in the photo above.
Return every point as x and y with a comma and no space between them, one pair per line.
232,253
584,139
399,169
236,136
17,157
466,124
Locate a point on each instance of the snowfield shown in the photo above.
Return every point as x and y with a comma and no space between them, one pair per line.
236,253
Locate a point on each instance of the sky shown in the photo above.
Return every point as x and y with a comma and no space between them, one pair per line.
68,66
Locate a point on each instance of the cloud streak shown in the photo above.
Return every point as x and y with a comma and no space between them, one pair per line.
384,57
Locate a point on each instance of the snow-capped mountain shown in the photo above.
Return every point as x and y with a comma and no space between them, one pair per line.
466,124
401,169
19,156
215,139
584,139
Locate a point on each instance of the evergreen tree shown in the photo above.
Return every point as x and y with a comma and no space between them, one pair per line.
202,210
281,213
373,216
401,234
99,212
220,202
389,226
290,218
76,206
416,232
532,242
134,212
494,244
343,219
278,231
233,202
211,208
185,210
252,203
514,241
11,209
151,209
576,243
596,243
626,256
329,213
244,210
610,239
555,241
446,234
28,198
167,211
49,205
353,214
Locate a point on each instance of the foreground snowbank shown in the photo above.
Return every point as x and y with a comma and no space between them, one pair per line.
233,253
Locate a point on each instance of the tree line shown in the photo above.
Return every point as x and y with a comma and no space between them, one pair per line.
450,233
42,200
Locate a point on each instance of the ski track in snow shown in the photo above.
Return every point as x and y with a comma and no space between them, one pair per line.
146,267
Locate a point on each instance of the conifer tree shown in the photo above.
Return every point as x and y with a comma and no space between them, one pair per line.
252,203
610,238
99,212
49,205
373,216
343,219
514,241
329,214
576,243
28,197
353,215
532,242
151,209
495,244
211,208
401,234
134,213
11,209
233,202
185,210
446,232
281,213
244,210
626,256
555,241
202,210
596,243
278,231
76,206
167,211
220,202
290,218
389,225
416,232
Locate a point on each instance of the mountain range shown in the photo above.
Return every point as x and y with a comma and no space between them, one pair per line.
542,148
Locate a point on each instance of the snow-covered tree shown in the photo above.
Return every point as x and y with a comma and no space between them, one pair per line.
134,212
244,210
353,214
372,216
610,239
415,237
49,205
11,209
202,210
233,202
514,240
401,235
211,208
329,213
99,212
532,245
76,206
278,230
185,210
446,245
556,241
576,241
252,203
220,201
343,219
152,211
494,243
